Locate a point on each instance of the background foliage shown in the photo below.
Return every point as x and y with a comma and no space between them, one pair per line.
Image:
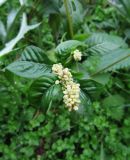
29,129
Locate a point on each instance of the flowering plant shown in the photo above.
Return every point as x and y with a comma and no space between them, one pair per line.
52,82
67,75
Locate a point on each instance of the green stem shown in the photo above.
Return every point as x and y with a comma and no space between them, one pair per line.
69,18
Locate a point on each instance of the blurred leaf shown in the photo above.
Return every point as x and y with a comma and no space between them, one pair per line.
13,16
52,96
123,7
51,7
2,2
39,86
2,31
117,59
114,100
114,105
68,46
54,22
103,43
29,69
85,103
34,54
63,50
101,78
127,33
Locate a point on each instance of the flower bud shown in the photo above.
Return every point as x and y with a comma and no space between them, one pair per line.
77,55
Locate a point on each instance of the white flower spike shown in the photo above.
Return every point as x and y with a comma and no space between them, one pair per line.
71,90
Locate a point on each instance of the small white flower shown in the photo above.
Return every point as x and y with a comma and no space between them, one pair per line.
57,69
76,108
65,71
57,82
65,92
77,55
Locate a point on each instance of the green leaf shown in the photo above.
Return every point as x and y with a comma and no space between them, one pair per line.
117,59
79,71
39,87
29,69
77,13
91,63
123,7
101,78
34,54
103,43
51,7
85,103
68,46
64,49
52,95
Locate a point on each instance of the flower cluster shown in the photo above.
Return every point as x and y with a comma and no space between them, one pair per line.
71,90
77,55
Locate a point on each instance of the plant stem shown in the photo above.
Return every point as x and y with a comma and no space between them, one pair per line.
69,18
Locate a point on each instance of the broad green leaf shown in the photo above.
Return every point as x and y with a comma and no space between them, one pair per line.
101,78
103,43
34,54
117,59
79,72
114,60
68,46
64,49
85,103
91,63
39,87
29,69
52,96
